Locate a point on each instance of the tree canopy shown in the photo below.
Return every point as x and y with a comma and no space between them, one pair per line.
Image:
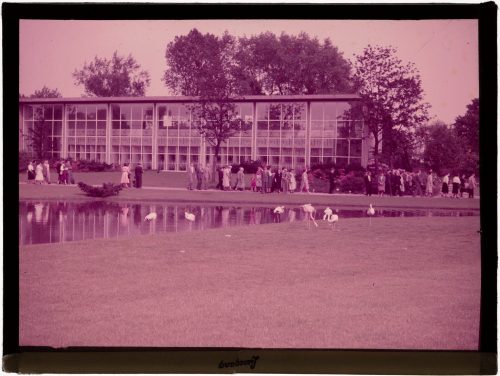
117,77
467,126
391,96
288,64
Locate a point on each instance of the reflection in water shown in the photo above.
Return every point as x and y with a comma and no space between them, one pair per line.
63,221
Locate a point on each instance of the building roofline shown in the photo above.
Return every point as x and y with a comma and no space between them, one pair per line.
178,99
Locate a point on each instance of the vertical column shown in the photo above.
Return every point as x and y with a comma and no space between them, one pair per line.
21,128
365,140
108,133
64,146
254,131
308,135
154,141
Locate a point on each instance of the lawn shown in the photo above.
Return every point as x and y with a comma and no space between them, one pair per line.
405,283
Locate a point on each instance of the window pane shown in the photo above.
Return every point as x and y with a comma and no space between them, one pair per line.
355,148
262,111
115,112
342,147
48,112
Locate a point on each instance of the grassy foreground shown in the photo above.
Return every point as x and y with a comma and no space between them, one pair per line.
405,283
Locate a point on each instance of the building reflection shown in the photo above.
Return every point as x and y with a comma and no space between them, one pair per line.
61,221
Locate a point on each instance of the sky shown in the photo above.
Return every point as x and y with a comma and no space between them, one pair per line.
445,52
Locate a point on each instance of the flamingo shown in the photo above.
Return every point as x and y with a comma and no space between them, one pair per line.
330,217
189,216
371,213
277,213
334,218
279,210
151,216
328,212
309,209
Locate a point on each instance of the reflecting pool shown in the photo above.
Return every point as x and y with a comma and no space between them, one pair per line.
64,221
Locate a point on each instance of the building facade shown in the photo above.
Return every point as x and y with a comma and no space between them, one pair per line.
160,132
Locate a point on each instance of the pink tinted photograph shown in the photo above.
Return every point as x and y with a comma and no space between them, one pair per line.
274,184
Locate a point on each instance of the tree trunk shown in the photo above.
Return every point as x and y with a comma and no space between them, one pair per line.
215,175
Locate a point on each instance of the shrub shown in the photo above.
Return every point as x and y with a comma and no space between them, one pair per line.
24,160
84,165
107,189
352,184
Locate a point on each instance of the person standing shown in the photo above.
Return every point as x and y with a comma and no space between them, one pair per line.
220,174
430,184
293,181
58,171
125,181
240,180
368,183
331,180
226,180
381,184
46,171
304,183
31,172
39,173
277,181
456,185
472,185
199,176
285,180
265,180
138,175
206,177
417,187
258,180
463,182
191,176
444,188
62,168
270,177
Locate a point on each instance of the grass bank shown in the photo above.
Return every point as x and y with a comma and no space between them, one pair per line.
54,191
405,283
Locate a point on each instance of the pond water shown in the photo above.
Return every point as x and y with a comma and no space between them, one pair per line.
64,221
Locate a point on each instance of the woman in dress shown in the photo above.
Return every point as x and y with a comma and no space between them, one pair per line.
381,184
445,189
304,183
125,181
225,179
39,173
258,180
293,181
240,180
429,185
46,171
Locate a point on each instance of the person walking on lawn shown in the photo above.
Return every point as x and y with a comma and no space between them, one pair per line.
368,183
240,180
205,177
430,184
138,175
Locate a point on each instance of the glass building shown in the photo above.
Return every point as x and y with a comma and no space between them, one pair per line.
160,132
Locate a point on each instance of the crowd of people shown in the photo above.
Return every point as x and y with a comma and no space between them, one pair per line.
398,182
394,182
265,180
39,173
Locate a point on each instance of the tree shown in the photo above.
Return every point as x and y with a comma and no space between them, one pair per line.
201,65
467,127
443,149
118,77
267,64
391,97
39,136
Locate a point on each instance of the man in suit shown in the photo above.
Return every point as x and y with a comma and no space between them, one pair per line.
138,175
331,179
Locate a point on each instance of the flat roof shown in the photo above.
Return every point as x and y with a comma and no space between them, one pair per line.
249,98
